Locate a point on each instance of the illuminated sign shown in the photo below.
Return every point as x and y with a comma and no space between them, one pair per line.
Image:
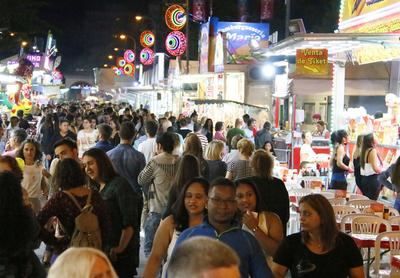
369,16
312,62
35,59
239,35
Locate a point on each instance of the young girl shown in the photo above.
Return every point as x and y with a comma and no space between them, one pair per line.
34,173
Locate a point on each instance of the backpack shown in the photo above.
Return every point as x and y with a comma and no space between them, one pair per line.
87,231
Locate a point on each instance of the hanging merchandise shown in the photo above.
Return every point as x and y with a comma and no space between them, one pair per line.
199,10
129,56
175,17
267,9
121,62
129,69
147,56
176,43
147,38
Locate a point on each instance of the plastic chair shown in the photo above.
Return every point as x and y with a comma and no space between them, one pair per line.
347,219
393,212
394,249
354,196
360,204
337,201
300,192
341,211
369,225
328,195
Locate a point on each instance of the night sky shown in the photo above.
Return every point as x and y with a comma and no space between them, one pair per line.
84,29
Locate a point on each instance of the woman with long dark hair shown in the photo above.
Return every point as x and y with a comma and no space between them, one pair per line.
188,168
371,167
340,160
193,146
188,211
266,226
19,232
391,179
319,250
62,205
122,201
208,129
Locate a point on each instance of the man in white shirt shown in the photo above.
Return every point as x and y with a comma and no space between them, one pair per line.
149,147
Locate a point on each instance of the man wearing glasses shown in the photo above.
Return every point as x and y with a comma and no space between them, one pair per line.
222,224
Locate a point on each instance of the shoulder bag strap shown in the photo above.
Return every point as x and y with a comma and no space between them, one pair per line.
73,199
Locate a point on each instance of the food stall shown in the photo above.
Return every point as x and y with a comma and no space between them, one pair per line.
368,34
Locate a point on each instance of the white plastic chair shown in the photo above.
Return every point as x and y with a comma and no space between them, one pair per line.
360,204
337,201
347,219
327,194
354,196
341,211
369,225
394,249
300,192
394,220
393,212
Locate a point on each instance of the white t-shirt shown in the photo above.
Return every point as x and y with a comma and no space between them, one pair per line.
86,140
307,153
148,148
32,180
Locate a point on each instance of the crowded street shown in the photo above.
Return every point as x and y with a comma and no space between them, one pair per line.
200,138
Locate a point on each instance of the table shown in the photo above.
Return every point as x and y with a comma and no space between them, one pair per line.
368,241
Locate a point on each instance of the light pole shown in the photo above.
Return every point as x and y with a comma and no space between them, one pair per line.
126,37
287,18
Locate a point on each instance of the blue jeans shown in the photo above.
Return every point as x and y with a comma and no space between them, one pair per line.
150,227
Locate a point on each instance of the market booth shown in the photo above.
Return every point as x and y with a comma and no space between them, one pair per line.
366,37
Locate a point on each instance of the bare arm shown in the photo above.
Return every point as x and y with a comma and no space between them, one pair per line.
229,175
270,242
375,163
126,236
279,271
357,272
340,153
159,250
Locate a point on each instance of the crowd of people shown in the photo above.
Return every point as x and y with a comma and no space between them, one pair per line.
124,171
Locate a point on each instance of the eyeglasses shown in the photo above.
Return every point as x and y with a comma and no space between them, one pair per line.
219,201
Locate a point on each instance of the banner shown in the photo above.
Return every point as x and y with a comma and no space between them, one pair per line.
243,8
312,62
238,36
354,8
370,16
266,9
199,10
203,47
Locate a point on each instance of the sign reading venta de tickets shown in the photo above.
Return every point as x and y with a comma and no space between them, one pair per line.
312,62
239,35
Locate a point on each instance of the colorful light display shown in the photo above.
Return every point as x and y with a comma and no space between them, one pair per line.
175,17
129,69
147,38
147,56
129,56
176,43
121,62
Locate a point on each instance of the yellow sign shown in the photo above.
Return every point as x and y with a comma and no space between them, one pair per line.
312,62
376,53
354,8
